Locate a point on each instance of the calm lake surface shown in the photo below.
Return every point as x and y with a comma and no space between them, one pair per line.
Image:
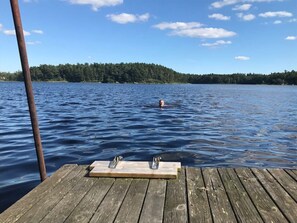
203,126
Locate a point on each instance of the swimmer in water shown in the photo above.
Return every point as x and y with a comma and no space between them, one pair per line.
161,103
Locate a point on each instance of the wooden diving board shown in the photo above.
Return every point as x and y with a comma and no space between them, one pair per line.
135,169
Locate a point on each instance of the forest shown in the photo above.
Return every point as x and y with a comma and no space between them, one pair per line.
143,73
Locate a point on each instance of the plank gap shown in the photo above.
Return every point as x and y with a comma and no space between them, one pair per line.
292,174
248,194
141,210
208,200
275,191
261,199
285,181
104,197
229,199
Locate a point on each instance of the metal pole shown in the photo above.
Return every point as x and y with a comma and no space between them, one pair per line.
28,85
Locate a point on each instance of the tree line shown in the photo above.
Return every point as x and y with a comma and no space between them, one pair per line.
142,73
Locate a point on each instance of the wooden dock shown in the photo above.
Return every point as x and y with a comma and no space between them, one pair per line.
199,195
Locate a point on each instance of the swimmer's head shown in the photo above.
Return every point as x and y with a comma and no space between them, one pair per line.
161,103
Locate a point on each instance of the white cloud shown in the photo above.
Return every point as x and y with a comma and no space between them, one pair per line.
293,20
204,33
247,17
276,22
220,4
218,16
96,4
37,31
242,58
243,7
276,14
217,43
33,42
193,30
125,18
177,25
122,18
223,3
144,17
1,26
11,32
291,38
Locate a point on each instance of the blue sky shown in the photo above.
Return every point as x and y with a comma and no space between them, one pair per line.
189,36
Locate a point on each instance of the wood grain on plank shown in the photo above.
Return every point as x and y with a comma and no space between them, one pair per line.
287,182
91,201
219,203
243,207
284,201
132,205
175,209
109,207
22,206
292,174
45,205
199,209
265,205
64,208
153,207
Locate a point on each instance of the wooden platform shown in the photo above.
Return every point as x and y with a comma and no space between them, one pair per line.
199,195
135,169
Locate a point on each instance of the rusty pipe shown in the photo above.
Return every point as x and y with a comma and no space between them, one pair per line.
28,85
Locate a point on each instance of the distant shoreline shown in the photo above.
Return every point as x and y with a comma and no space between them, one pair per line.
142,73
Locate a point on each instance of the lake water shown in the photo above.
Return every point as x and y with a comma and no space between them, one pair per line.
203,126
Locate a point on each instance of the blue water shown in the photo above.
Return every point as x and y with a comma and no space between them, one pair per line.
203,125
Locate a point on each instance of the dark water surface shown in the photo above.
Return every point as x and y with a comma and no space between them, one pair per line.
204,125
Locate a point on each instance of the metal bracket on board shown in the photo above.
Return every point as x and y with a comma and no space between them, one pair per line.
113,164
155,163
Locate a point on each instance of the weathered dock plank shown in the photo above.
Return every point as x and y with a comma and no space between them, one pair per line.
292,174
89,204
30,199
64,208
286,181
132,204
242,205
45,205
152,211
220,205
198,195
283,200
198,205
109,207
264,204
175,209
